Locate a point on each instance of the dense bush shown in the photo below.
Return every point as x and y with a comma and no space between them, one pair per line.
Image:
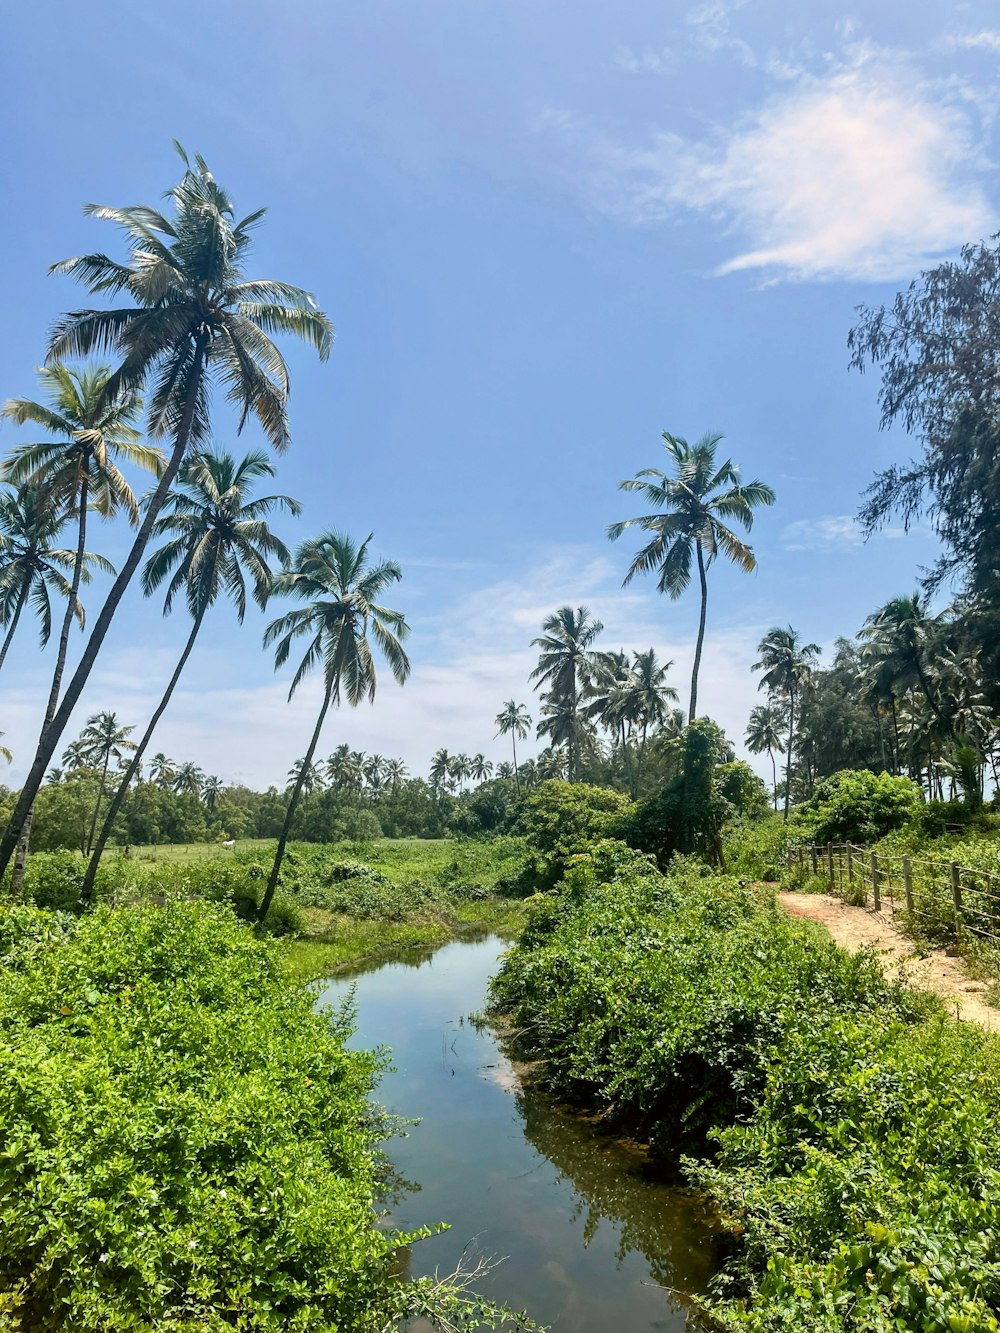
859,806
187,1142
757,848
558,820
849,1133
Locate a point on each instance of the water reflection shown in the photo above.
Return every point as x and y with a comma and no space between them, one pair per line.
592,1241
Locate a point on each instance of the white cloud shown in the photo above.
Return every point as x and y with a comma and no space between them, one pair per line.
646,61
987,39
862,172
830,532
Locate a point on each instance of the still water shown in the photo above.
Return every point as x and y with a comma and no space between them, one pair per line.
591,1241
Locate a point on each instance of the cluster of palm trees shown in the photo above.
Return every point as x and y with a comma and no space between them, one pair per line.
909,696
189,318
351,772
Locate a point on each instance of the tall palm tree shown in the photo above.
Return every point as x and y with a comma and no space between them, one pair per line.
653,697
787,664
188,779
899,642
334,575
77,470
307,776
395,774
480,768
193,317
763,733
31,568
211,789
102,740
161,770
698,501
441,769
565,663
513,720
216,529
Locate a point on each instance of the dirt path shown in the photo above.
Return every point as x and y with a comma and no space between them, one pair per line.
854,927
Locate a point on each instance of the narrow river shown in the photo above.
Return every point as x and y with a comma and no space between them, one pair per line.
591,1241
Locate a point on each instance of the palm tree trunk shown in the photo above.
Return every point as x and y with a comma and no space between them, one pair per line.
25,584
87,892
791,742
895,734
693,710
24,841
293,801
774,777
513,746
100,798
633,781
50,739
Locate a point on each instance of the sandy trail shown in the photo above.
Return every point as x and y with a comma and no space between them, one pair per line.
854,927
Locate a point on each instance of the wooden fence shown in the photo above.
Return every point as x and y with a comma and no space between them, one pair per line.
934,898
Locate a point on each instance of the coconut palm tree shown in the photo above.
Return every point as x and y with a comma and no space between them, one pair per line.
211,789
161,770
102,740
31,568
480,768
565,664
697,503
305,776
899,643
763,733
787,664
395,774
188,780
5,752
192,317
335,577
216,529
441,770
513,720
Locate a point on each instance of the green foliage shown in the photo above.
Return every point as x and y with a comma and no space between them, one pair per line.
757,848
859,806
688,813
188,1142
737,783
558,820
847,1131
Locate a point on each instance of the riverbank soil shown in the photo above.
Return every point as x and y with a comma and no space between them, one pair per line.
855,927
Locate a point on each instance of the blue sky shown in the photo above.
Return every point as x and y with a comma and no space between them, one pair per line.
545,232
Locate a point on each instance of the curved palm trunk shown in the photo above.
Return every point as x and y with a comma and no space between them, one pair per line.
118,800
24,841
791,742
693,710
50,739
25,584
293,801
100,798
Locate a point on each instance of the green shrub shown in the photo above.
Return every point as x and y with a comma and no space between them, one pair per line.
54,879
758,848
859,806
187,1141
558,820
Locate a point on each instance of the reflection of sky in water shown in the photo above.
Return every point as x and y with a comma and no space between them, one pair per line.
589,1243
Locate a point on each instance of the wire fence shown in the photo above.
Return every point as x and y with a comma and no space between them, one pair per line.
938,899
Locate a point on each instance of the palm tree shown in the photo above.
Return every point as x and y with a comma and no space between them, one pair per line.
652,696
193,317
188,780
332,573
161,770
786,663
102,740
480,767
441,768
505,770
461,769
215,530
30,566
211,789
565,663
306,776
763,734
513,720
395,773
77,470
372,771
898,640
696,499
5,752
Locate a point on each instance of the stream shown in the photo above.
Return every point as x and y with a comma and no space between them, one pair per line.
590,1239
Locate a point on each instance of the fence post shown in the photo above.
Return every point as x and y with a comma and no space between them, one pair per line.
908,884
956,888
876,896
812,853
829,865
850,864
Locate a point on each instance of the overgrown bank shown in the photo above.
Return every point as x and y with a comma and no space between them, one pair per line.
846,1128
187,1141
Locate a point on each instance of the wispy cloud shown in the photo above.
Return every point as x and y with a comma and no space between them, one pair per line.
987,39
864,171
829,533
